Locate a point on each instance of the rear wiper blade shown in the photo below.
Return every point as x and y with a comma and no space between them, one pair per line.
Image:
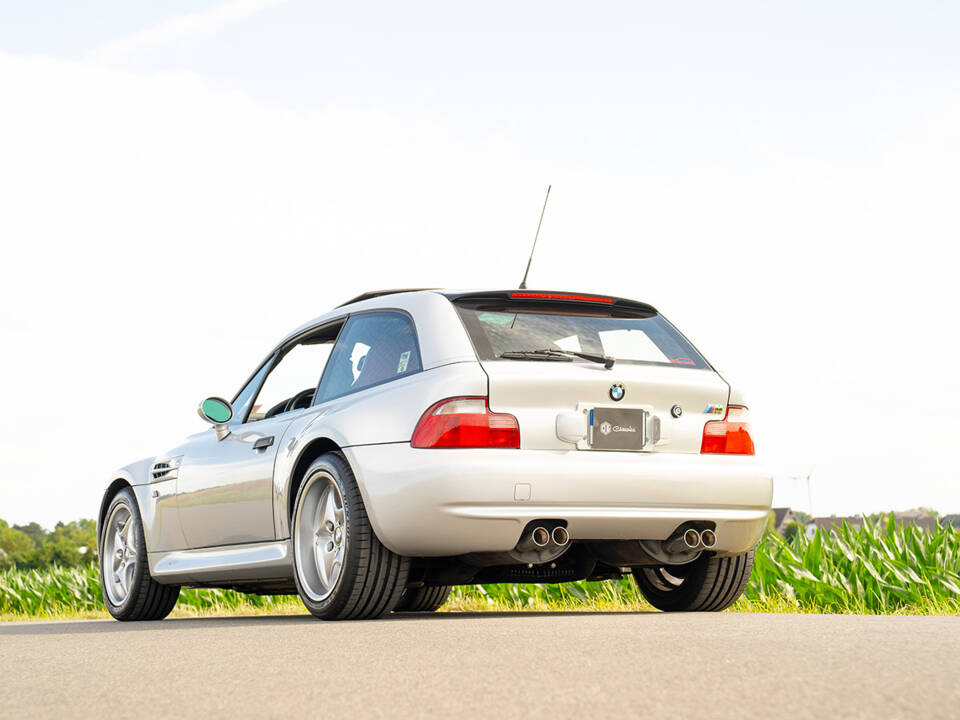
550,354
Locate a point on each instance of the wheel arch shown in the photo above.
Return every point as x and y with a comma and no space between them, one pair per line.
311,451
318,446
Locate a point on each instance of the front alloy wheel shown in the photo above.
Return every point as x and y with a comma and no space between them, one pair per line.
129,592
119,554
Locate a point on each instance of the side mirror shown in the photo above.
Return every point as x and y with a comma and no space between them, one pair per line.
218,412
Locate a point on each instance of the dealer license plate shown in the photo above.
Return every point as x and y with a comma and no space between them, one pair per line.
617,428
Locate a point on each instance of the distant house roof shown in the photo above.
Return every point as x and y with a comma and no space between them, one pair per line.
925,522
918,518
782,516
825,523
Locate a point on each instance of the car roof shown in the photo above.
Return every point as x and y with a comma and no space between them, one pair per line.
368,301
378,299
379,293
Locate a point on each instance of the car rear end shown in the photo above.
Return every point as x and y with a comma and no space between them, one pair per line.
600,425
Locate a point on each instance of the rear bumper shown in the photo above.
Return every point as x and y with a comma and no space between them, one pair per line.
448,502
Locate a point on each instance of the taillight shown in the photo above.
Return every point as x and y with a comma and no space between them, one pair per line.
465,422
730,436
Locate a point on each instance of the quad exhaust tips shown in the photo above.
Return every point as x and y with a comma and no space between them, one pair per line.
691,539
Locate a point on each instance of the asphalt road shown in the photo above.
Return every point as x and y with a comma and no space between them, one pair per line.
497,666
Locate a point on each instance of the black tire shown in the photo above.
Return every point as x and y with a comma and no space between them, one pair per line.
708,584
371,578
145,599
423,599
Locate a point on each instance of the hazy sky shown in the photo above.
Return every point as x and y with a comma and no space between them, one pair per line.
181,183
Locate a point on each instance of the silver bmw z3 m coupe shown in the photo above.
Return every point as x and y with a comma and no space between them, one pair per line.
413,440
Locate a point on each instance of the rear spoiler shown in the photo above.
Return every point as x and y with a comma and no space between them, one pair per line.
556,300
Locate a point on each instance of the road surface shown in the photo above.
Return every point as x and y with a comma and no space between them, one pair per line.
498,666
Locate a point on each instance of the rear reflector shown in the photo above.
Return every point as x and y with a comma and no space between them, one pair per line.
730,436
559,296
465,422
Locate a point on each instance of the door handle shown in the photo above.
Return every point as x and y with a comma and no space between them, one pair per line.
263,443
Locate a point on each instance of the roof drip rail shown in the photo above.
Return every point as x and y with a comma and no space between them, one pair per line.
379,293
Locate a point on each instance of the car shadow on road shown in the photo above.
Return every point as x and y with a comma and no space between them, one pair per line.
80,627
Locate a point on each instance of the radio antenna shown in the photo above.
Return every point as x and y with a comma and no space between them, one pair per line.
523,284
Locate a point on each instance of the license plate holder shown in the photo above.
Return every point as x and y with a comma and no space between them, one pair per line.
617,428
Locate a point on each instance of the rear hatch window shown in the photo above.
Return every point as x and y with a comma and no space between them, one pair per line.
630,335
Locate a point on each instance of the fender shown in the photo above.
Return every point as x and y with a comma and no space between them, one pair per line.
136,473
376,416
156,502
306,449
305,438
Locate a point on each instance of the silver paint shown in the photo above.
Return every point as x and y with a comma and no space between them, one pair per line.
224,515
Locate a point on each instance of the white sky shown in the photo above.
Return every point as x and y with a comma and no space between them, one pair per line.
182,183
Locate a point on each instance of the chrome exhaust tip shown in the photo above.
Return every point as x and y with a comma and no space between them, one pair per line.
684,542
540,536
560,535
708,538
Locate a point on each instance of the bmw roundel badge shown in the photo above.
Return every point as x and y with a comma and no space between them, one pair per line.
617,392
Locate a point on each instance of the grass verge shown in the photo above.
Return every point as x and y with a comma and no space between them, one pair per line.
882,569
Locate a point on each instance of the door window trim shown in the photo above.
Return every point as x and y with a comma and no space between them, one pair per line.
274,358
233,403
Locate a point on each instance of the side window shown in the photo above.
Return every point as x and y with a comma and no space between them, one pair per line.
292,380
373,348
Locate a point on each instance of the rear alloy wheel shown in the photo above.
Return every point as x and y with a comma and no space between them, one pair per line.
342,571
709,583
423,599
130,593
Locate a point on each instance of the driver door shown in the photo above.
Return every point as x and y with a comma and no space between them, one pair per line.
225,487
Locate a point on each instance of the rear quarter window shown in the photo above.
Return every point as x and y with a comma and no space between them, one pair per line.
373,348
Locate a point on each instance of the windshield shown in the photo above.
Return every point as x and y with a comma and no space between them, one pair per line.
641,340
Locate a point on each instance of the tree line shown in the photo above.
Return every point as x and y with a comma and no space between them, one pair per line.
72,544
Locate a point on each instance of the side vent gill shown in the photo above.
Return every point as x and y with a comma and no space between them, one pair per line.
165,469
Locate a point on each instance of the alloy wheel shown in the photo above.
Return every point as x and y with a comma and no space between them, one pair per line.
120,554
320,539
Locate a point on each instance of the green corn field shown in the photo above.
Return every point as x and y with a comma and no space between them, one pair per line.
882,568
